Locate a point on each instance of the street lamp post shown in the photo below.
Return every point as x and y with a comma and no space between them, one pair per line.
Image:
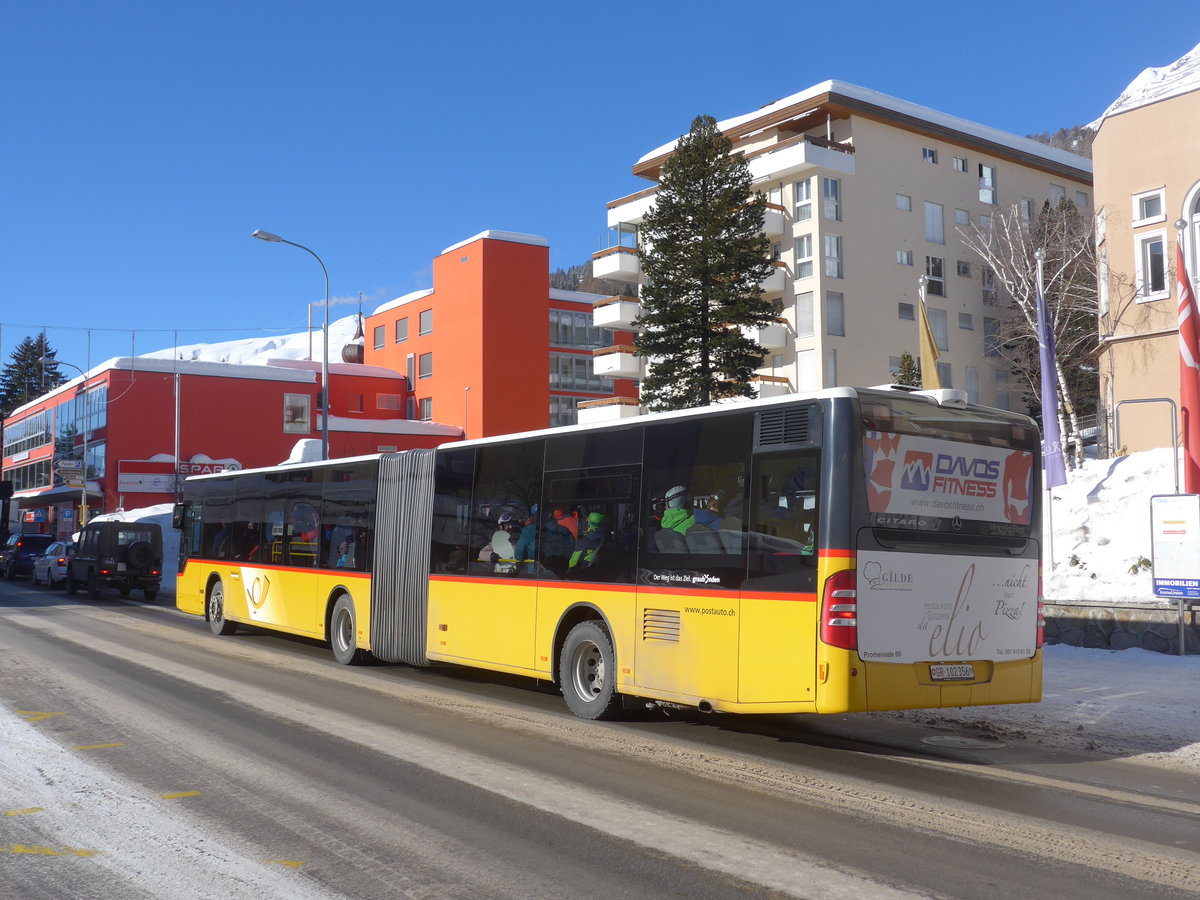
276,239
83,503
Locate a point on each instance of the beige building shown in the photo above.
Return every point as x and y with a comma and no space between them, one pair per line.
1147,162
867,193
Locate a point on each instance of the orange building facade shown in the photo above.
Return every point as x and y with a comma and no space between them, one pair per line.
143,424
491,348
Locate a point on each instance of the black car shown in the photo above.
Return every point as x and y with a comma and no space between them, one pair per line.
124,555
19,552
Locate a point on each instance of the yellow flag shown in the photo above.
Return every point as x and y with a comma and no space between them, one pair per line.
929,353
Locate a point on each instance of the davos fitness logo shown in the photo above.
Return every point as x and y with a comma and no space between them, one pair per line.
914,474
948,473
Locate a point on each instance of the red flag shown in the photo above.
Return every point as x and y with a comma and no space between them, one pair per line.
1189,376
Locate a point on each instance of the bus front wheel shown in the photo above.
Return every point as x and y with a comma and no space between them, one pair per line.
216,611
587,672
342,631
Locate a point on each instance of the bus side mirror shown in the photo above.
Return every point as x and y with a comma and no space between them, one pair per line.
177,516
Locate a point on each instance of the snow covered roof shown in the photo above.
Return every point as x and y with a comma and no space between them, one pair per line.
400,301
898,107
1153,85
513,237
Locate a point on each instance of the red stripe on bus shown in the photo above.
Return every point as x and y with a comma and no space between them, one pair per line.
836,554
216,563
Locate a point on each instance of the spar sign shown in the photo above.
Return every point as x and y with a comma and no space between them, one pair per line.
918,476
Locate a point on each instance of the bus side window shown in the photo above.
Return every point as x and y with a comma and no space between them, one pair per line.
784,521
303,530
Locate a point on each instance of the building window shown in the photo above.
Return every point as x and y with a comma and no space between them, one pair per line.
575,372
904,257
401,330
804,200
388,401
966,321
835,313
297,413
831,189
904,203
831,378
936,286
937,322
929,155
964,269
1081,199
410,369
356,403
425,326
425,366
991,295
987,184
563,411
575,329
991,337
426,406
933,224
1002,395
377,334
1026,212
962,218
833,256
960,164
1151,266
943,370
1058,194
1148,208
972,384
804,256
907,312
804,314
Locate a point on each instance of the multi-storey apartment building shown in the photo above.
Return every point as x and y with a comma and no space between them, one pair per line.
491,347
1147,156
866,194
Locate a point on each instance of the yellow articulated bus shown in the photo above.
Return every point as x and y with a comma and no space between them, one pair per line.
844,550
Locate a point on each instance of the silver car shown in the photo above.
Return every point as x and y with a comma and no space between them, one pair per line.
50,568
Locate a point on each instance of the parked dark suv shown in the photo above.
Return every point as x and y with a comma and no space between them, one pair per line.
19,552
124,555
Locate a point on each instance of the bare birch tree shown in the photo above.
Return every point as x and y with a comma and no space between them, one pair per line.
1007,244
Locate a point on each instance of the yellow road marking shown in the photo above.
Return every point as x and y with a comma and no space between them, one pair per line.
99,746
34,716
22,812
178,794
45,851
290,863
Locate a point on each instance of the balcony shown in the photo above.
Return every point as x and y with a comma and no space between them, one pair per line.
617,263
770,385
616,313
804,154
618,362
632,209
593,412
775,221
772,337
774,283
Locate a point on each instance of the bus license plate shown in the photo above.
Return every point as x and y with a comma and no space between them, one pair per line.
960,672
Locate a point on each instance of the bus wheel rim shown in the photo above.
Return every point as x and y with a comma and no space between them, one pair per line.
587,671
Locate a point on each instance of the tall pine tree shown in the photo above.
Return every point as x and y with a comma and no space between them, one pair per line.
703,255
26,377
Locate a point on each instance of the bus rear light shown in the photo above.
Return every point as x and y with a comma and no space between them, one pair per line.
839,611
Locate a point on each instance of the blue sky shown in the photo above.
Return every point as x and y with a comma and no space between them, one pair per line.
145,141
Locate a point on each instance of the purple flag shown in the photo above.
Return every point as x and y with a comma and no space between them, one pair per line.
1052,452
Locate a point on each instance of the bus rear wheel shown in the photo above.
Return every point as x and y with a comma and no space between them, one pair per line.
342,632
587,671
216,611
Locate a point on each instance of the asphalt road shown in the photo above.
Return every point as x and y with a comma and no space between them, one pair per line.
161,761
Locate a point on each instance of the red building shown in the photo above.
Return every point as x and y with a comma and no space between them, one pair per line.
475,347
133,418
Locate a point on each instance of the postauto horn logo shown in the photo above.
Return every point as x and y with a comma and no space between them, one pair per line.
914,474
